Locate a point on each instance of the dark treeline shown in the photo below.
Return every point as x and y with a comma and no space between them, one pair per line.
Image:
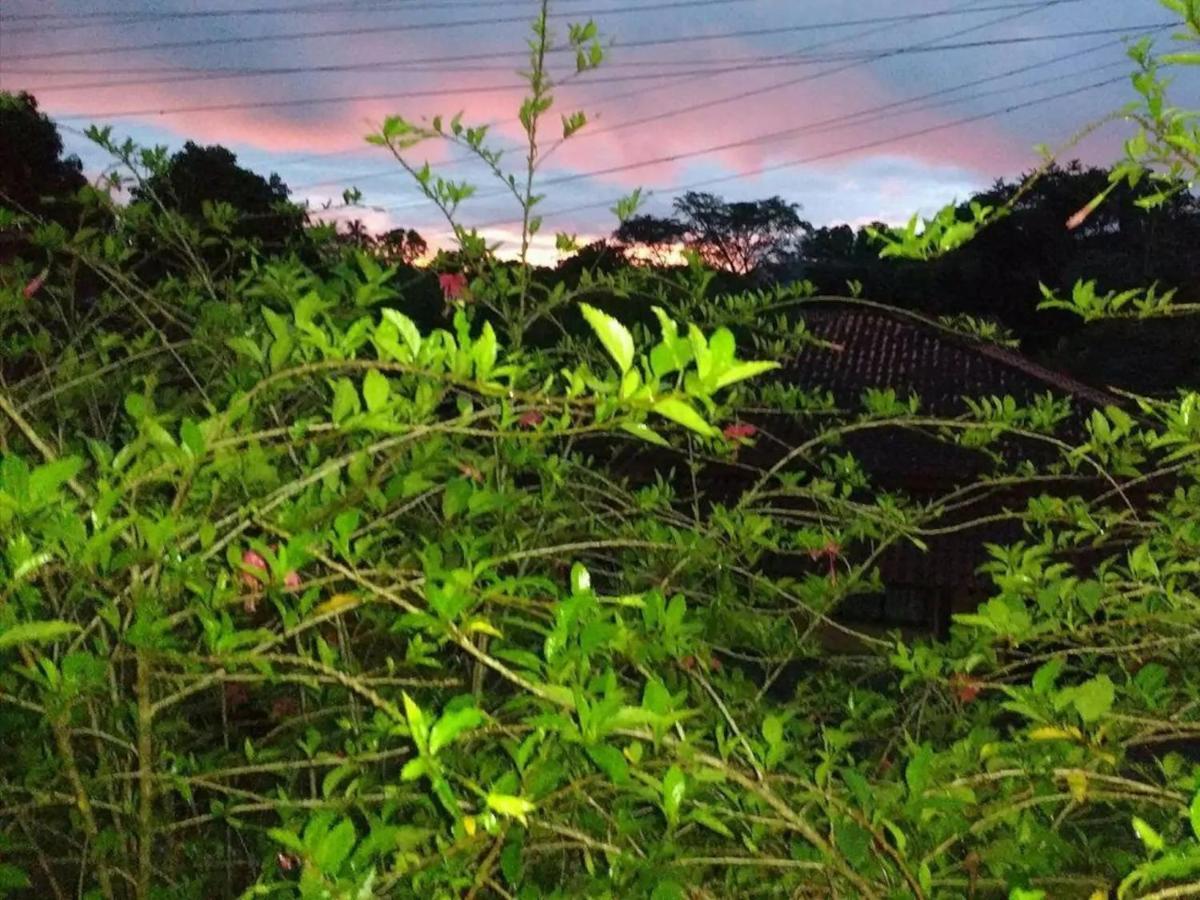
996,278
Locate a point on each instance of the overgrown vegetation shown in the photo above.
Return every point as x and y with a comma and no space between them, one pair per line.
300,598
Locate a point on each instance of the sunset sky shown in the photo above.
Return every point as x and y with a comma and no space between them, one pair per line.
811,93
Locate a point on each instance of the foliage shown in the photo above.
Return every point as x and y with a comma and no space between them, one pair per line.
299,598
197,180
743,237
32,168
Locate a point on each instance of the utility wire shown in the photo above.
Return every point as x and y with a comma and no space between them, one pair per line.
477,62
867,116
70,21
857,58
845,151
854,36
350,32
322,7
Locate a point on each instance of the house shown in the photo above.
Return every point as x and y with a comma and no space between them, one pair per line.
860,348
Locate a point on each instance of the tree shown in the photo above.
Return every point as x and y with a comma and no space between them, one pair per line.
744,237
33,172
650,237
401,245
355,234
198,176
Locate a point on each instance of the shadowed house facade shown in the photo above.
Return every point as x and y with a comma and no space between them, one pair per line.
864,349
860,349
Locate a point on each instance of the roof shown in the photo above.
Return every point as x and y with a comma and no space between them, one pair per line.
870,348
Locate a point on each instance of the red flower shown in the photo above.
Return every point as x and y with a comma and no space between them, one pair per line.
688,662
531,419
965,689
35,284
739,430
453,285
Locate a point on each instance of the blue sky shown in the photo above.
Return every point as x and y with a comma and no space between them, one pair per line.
869,104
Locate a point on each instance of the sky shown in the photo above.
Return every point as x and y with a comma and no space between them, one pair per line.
857,111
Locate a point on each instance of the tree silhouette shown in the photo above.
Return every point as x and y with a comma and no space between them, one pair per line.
196,176
354,233
401,245
743,237
649,237
34,176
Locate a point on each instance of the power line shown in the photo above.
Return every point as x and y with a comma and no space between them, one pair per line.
930,46
71,21
436,92
818,45
845,151
360,31
862,117
651,42
869,115
183,73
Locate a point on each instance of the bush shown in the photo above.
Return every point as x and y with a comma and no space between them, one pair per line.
302,599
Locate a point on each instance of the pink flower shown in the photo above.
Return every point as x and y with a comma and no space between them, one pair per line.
292,581
453,285
254,561
739,430
1082,215
531,419
35,284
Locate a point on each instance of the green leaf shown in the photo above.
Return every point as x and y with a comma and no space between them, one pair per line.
45,480
508,805
1150,838
613,335
645,433
408,330
581,579
742,371
919,771
451,725
711,822
1046,675
416,723
772,729
484,352
684,414
673,787
345,400
289,839
12,878
192,437
36,633
376,390
1194,815
413,769
610,761
1093,699
335,846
